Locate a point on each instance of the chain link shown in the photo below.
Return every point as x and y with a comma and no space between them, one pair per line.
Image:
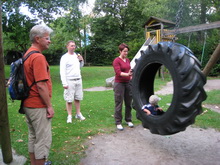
178,16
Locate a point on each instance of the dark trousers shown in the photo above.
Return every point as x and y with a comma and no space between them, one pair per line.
122,93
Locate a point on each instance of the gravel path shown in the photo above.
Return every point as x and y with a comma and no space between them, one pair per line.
137,146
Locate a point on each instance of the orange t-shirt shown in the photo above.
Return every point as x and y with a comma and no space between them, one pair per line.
36,69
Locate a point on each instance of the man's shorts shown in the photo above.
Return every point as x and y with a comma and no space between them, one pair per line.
39,128
74,91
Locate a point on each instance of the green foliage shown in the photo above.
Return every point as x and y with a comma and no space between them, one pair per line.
16,26
111,23
16,35
157,8
122,23
216,70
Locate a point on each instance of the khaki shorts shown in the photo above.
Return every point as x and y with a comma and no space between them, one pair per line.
39,128
74,91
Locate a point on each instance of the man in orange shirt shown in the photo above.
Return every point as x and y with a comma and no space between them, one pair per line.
37,107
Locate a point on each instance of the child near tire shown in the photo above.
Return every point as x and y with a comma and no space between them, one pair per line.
152,108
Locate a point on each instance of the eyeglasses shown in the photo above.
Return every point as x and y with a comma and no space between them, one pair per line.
47,38
73,46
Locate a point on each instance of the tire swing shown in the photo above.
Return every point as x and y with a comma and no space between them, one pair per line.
188,82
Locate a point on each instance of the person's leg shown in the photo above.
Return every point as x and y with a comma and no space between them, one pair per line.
69,108
32,158
39,161
43,138
40,136
31,135
128,100
69,97
36,161
69,112
78,97
118,94
78,113
77,106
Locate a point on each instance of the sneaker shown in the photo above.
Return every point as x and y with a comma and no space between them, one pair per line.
119,127
130,124
80,116
48,163
69,119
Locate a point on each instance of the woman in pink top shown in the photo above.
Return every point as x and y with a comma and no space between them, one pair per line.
122,87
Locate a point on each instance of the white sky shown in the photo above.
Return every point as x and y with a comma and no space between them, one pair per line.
86,8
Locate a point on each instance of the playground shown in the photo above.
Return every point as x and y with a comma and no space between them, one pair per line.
168,139
136,146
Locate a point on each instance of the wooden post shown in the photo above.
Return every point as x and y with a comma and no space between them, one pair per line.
212,61
4,124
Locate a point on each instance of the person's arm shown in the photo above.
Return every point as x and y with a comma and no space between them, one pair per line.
63,72
147,111
144,108
80,60
44,94
123,74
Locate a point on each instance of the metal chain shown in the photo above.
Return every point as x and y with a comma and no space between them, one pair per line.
179,16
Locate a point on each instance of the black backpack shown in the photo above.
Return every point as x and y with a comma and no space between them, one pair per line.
18,88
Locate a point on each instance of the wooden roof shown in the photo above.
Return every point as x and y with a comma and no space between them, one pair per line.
154,20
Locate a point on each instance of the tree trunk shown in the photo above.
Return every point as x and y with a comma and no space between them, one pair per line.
4,124
212,61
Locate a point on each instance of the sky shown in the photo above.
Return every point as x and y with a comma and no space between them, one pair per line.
87,8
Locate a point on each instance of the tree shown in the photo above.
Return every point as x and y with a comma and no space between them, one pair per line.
115,22
16,26
16,34
5,139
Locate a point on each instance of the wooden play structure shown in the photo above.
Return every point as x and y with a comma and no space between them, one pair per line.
159,30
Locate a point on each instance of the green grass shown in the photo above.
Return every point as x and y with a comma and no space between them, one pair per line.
68,145
210,119
213,97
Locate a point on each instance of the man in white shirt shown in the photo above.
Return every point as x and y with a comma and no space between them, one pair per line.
70,73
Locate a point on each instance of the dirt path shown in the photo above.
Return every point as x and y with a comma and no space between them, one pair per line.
137,146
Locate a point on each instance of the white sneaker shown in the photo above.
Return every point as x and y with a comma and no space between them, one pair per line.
80,116
69,119
119,127
130,124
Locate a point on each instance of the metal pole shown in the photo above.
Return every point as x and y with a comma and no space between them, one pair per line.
4,124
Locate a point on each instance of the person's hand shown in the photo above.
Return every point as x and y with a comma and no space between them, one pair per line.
130,72
80,57
50,112
65,87
160,109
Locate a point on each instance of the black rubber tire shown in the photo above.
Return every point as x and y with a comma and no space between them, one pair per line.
188,82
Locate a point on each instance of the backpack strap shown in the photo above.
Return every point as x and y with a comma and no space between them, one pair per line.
28,55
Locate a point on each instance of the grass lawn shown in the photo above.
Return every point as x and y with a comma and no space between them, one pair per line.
98,108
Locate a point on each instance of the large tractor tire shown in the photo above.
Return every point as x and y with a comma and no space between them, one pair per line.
188,82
